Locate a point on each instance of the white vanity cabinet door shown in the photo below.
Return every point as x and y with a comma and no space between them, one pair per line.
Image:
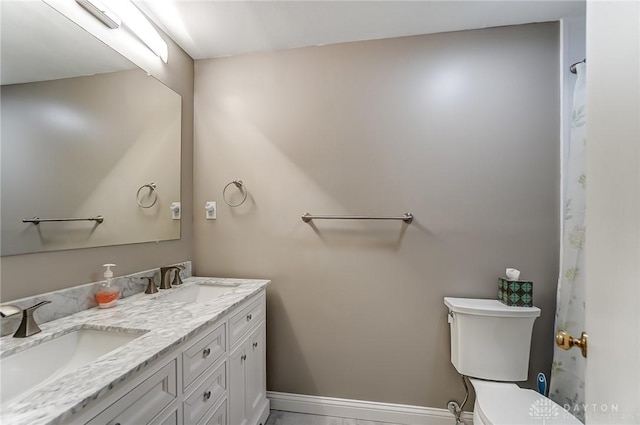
255,374
247,389
237,397
141,405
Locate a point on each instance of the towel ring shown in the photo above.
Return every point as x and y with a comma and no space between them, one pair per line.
152,191
240,186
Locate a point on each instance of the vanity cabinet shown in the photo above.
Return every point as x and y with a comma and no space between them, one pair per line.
247,364
204,375
246,319
201,382
218,417
247,386
142,404
203,353
205,395
169,417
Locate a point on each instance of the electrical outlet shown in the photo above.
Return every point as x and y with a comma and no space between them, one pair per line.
211,210
175,210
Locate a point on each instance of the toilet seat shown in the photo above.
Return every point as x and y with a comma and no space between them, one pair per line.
504,403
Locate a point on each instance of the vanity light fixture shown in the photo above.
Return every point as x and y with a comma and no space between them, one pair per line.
138,23
98,10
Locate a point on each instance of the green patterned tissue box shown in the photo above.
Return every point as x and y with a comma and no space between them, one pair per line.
515,293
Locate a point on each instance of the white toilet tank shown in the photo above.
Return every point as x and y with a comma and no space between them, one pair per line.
490,340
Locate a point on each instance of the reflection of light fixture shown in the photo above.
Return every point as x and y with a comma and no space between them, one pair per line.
98,10
133,19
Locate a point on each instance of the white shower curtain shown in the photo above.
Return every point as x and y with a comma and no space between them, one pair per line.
567,373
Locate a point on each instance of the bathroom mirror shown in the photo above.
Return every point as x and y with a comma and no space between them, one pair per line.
85,133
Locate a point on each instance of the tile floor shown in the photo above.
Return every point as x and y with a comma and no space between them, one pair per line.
278,417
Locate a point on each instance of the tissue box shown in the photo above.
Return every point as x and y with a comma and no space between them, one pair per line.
515,293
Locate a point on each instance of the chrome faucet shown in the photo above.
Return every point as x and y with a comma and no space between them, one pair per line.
28,326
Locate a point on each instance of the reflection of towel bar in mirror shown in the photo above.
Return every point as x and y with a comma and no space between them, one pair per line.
132,143
306,217
36,220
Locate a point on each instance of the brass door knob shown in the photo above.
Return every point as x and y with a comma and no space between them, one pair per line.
566,341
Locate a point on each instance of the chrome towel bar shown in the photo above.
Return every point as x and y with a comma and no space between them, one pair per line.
36,220
306,217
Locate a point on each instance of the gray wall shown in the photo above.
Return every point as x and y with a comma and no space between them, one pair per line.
30,274
461,129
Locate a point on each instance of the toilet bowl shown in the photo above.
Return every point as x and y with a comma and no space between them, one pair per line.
490,344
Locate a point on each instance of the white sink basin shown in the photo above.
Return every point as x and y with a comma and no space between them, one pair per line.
199,293
43,363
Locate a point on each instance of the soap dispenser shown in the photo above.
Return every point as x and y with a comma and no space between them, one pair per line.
108,293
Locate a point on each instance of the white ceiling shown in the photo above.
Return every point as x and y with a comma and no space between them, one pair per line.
208,29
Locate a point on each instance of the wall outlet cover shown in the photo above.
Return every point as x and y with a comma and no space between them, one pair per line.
211,210
175,210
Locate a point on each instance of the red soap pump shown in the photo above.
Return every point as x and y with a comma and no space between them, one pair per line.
108,294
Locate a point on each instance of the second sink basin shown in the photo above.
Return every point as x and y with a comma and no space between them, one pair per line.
199,293
43,363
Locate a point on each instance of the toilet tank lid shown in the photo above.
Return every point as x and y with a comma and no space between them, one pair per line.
482,307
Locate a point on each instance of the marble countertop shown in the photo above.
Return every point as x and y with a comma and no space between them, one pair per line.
163,325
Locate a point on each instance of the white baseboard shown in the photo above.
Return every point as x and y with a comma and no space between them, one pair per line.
364,410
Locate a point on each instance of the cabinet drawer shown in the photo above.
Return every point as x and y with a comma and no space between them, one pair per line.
168,418
219,416
205,395
241,322
142,404
202,354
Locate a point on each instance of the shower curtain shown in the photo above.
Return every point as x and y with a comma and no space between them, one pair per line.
567,373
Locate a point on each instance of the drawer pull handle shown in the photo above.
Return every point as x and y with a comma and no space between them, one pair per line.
255,345
243,357
248,317
206,352
207,395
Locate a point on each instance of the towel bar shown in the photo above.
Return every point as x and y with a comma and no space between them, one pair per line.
306,217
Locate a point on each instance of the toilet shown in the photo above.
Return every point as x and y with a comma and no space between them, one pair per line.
490,344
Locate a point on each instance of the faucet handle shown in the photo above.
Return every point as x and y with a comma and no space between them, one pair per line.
9,310
30,310
177,280
151,286
28,325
